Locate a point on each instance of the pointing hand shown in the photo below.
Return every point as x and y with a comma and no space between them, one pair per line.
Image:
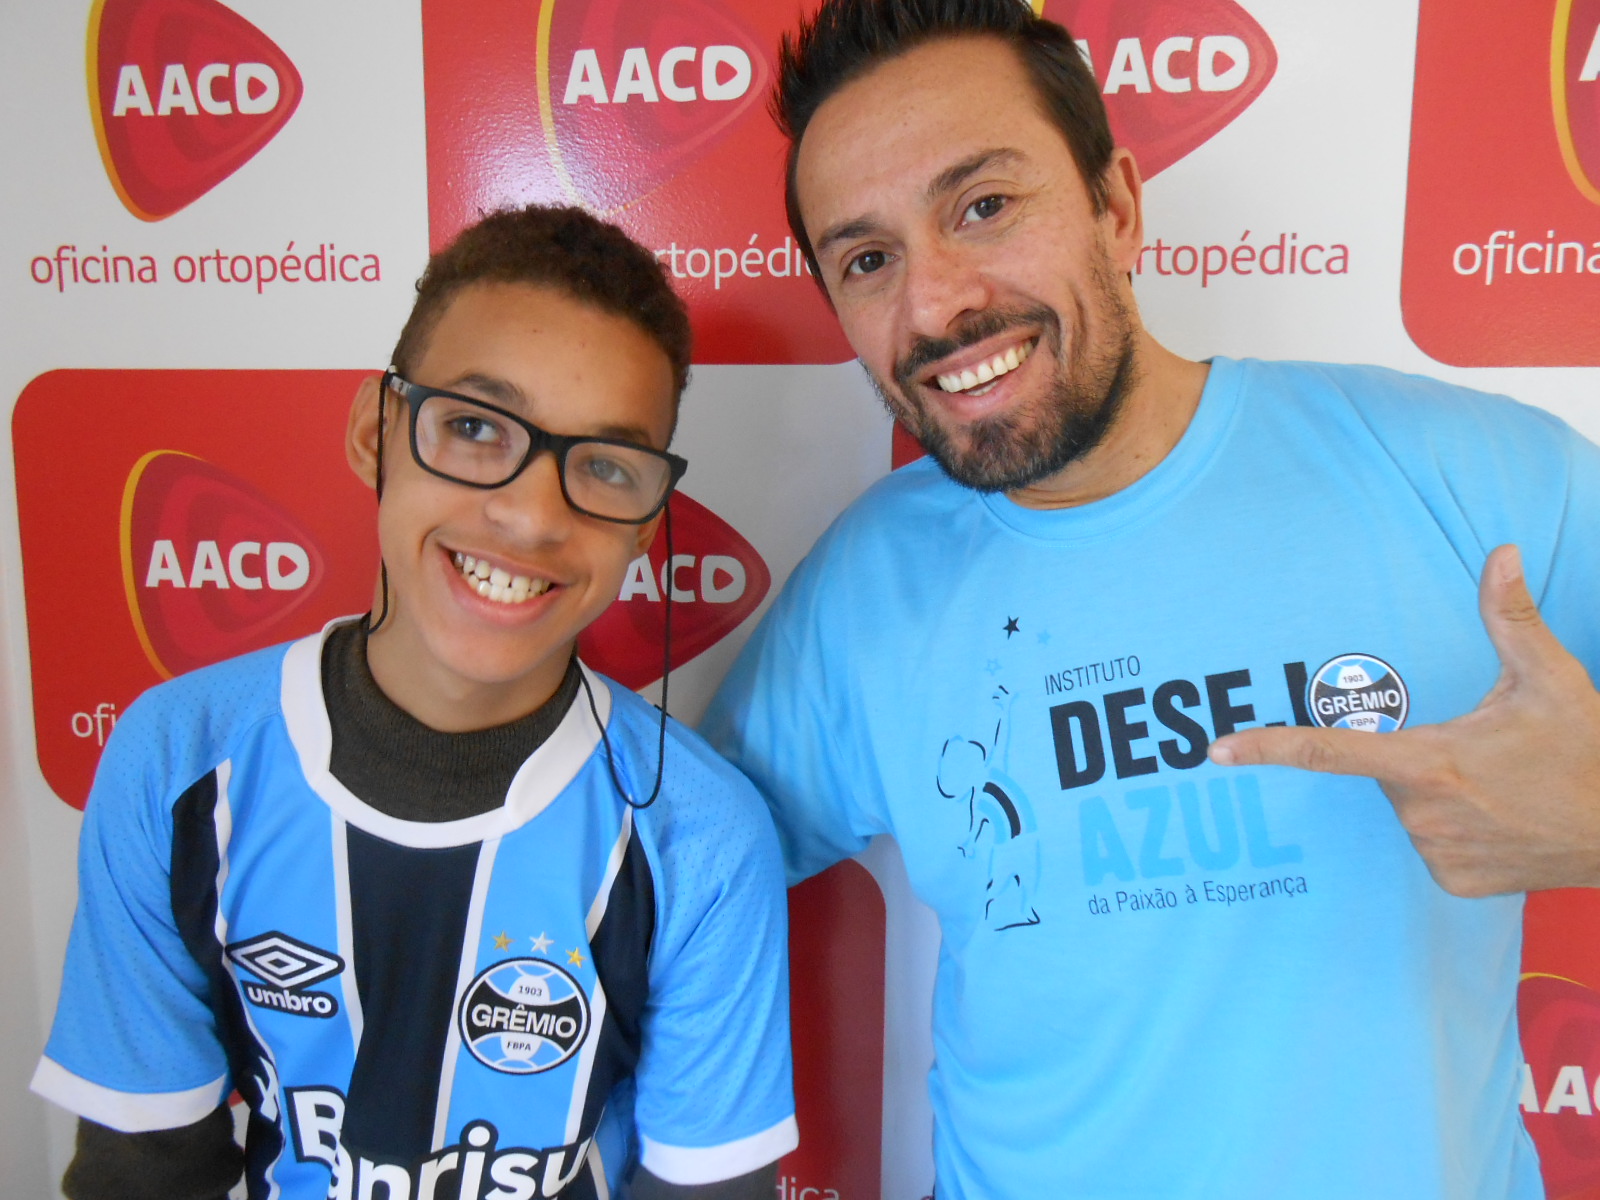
1503,799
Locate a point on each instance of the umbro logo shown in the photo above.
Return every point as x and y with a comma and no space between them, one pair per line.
288,966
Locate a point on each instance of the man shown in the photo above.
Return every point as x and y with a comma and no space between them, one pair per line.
455,916
1160,977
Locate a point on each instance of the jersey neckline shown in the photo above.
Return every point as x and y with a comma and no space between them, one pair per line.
542,777
1219,403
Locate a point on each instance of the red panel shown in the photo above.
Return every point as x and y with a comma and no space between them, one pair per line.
1502,246
836,963
1559,1016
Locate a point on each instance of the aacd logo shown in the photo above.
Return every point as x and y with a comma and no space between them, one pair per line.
1173,76
183,93
649,86
716,579
1501,267
1575,90
1560,1096
207,563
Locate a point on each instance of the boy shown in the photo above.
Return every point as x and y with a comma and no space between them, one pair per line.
402,884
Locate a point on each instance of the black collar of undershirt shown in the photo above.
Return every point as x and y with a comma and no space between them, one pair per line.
407,770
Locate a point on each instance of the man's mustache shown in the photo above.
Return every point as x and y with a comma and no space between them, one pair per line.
926,351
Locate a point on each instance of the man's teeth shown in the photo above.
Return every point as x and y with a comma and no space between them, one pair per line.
498,584
986,372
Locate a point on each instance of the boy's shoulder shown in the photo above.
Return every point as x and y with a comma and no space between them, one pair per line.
189,724
235,690
699,789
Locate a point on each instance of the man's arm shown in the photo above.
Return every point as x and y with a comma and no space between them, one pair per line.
193,1162
1503,799
757,1185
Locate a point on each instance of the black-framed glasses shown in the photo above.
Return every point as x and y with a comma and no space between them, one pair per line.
480,445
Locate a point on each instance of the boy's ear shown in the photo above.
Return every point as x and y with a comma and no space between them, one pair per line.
646,534
361,432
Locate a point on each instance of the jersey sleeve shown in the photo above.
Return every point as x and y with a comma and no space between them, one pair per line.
134,1045
714,1088
777,718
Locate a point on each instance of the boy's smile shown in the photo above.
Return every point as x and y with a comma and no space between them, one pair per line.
489,588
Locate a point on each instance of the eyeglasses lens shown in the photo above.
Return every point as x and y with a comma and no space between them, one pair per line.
476,445
615,481
466,442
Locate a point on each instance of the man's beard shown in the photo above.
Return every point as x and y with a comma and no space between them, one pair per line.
1007,451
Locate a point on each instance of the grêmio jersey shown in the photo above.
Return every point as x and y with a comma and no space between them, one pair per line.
1159,977
517,1004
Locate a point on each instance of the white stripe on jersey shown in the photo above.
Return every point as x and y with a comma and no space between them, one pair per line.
222,822
271,1099
598,1170
471,936
598,1000
619,850
344,924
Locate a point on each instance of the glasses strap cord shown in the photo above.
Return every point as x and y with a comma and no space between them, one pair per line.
666,672
383,567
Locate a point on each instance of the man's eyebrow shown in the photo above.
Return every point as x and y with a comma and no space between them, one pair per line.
857,227
952,177
944,182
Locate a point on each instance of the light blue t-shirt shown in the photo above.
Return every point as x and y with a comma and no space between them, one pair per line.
1160,978
519,1003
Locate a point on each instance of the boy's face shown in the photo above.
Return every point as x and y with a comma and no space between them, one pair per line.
451,657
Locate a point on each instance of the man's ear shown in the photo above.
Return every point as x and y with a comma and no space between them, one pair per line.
361,432
1124,215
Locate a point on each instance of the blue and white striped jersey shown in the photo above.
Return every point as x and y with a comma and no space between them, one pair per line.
517,1004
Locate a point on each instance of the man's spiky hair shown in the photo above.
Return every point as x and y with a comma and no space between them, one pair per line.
847,38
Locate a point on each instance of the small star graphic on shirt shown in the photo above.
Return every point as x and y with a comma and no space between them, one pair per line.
575,957
502,940
992,666
1011,627
540,943
1044,637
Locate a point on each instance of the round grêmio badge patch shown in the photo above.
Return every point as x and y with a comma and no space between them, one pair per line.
1358,691
523,1016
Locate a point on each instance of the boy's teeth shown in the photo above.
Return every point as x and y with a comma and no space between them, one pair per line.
986,372
496,583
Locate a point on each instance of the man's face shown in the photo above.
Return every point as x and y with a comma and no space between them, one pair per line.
966,263
567,368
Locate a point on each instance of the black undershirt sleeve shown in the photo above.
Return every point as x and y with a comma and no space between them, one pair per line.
193,1162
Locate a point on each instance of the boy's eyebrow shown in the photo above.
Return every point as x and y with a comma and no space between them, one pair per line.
509,395
624,433
501,391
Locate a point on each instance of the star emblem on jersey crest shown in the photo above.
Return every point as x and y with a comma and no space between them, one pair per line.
575,957
502,941
1011,627
540,943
